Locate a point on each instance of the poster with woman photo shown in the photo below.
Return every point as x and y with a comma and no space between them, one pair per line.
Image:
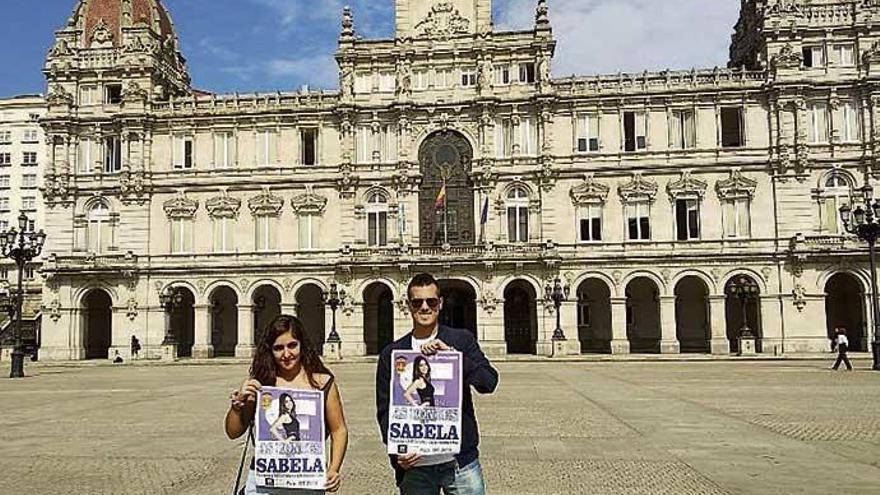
425,414
290,438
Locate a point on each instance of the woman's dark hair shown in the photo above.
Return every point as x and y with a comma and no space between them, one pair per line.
417,374
263,366
281,402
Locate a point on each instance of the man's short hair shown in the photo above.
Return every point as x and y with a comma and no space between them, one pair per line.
422,280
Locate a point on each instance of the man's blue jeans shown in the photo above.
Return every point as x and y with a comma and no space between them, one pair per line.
429,480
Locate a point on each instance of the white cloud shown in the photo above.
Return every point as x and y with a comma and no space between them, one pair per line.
318,71
292,12
607,36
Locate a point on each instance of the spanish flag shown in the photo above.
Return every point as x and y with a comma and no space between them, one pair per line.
441,198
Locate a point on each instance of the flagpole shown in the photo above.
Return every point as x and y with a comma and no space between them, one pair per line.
482,224
445,214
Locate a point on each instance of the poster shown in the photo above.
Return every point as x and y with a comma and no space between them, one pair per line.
290,439
425,413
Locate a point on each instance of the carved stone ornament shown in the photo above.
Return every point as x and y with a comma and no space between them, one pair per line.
54,310
180,206
443,21
737,186
871,58
542,17
60,49
59,96
101,36
638,189
788,58
265,204
223,206
347,23
134,93
308,203
799,297
131,310
589,191
688,186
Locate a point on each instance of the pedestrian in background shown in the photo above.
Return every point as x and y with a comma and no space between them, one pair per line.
842,346
135,346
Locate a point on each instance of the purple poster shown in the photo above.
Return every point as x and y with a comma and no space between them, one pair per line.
425,414
290,439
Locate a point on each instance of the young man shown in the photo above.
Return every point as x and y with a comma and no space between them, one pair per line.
842,347
460,474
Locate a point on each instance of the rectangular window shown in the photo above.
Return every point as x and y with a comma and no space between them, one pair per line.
682,130
687,219
31,226
518,224
4,204
28,203
850,129
814,56
818,123
223,157
266,147
588,133
591,223
527,72
736,218
4,182
502,74
31,136
635,129
4,226
29,158
528,136
266,232
112,155
363,83
307,229
638,218
28,181
84,157
844,55
309,146
388,143
363,137
88,95
504,138
224,235
181,235
5,137
731,127
421,79
5,159
113,94
387,82
183,152
443,78
468,77
377,228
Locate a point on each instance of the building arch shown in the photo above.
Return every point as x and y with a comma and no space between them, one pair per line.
218,284
845,306
306,281
594,320
733,309
583,277
378,312
658,280
186,285
471,138
446,193
257,284
521,316
530,279
863,278
460,297
223,300
700,274
81,292
96,310
391,284
692,314
753,274
311,311
643,313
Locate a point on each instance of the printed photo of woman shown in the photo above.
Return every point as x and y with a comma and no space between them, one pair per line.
421,384
286,427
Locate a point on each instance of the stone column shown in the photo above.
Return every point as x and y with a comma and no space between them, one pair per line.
202,347
718,325
490,327
571,346
771,325
668,339
290,308
350,325
619,342
245,346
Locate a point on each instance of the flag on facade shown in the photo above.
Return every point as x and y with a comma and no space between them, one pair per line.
441,198
484,215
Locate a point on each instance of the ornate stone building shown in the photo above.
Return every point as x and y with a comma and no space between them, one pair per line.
645,194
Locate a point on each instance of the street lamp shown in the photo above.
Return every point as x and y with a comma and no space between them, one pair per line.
171,298
335,298
864,222
744,288
557,293
21,247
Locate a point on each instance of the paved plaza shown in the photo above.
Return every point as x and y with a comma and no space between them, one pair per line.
593,428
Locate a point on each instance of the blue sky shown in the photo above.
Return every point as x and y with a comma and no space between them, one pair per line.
266,45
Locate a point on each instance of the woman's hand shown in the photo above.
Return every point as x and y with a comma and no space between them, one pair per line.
334,480
248,391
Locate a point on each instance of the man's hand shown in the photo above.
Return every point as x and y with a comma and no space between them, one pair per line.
435,346
406,462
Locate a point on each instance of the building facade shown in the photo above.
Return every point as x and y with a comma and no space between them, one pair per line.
451,149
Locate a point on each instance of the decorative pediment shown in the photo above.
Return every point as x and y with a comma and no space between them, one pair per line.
59,96
181,207
687,185
308,203
589,191
638,189
265,204
443,21
736,186
101,36
133,93
788,58
223,206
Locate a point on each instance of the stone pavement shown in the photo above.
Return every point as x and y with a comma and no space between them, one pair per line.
552,428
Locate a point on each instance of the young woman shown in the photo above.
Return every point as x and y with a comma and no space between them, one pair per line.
285,358
421,383
286,427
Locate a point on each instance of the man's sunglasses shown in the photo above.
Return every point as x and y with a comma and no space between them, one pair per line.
433,303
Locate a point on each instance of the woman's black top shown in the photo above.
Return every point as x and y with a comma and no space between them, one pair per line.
292,428
426,395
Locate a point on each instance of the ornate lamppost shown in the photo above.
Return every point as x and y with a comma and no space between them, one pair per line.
171,298
557,293
335,299
864,222
744,289
21,247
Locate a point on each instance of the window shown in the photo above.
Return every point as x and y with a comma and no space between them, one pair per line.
266,232
468,77
638,218
818,123
363,83
388,143
731,127
590,223
112,155
4,225
502,74
4,204
266,147
307,227
682,130
223,149
835,194
850,128
29,272
687,219
85,162
737,218
29,158
4,182
113,94
844,55
28,181
98,234
31,226
814,56
5,159
587,133
527,72
224,234
443,78
363,136
387,82
309,146
183,152
584,316
528,136
31,136
518,215
88,95
635,128
421,79
504,138
181,235
5,137
28,203
377,220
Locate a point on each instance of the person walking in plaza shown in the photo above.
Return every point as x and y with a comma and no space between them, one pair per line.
285,358
842,346
135,347
461,474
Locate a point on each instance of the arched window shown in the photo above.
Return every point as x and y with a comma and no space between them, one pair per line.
837,192
377,219
518,215
99,234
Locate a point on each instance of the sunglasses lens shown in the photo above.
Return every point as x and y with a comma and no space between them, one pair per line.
418,303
